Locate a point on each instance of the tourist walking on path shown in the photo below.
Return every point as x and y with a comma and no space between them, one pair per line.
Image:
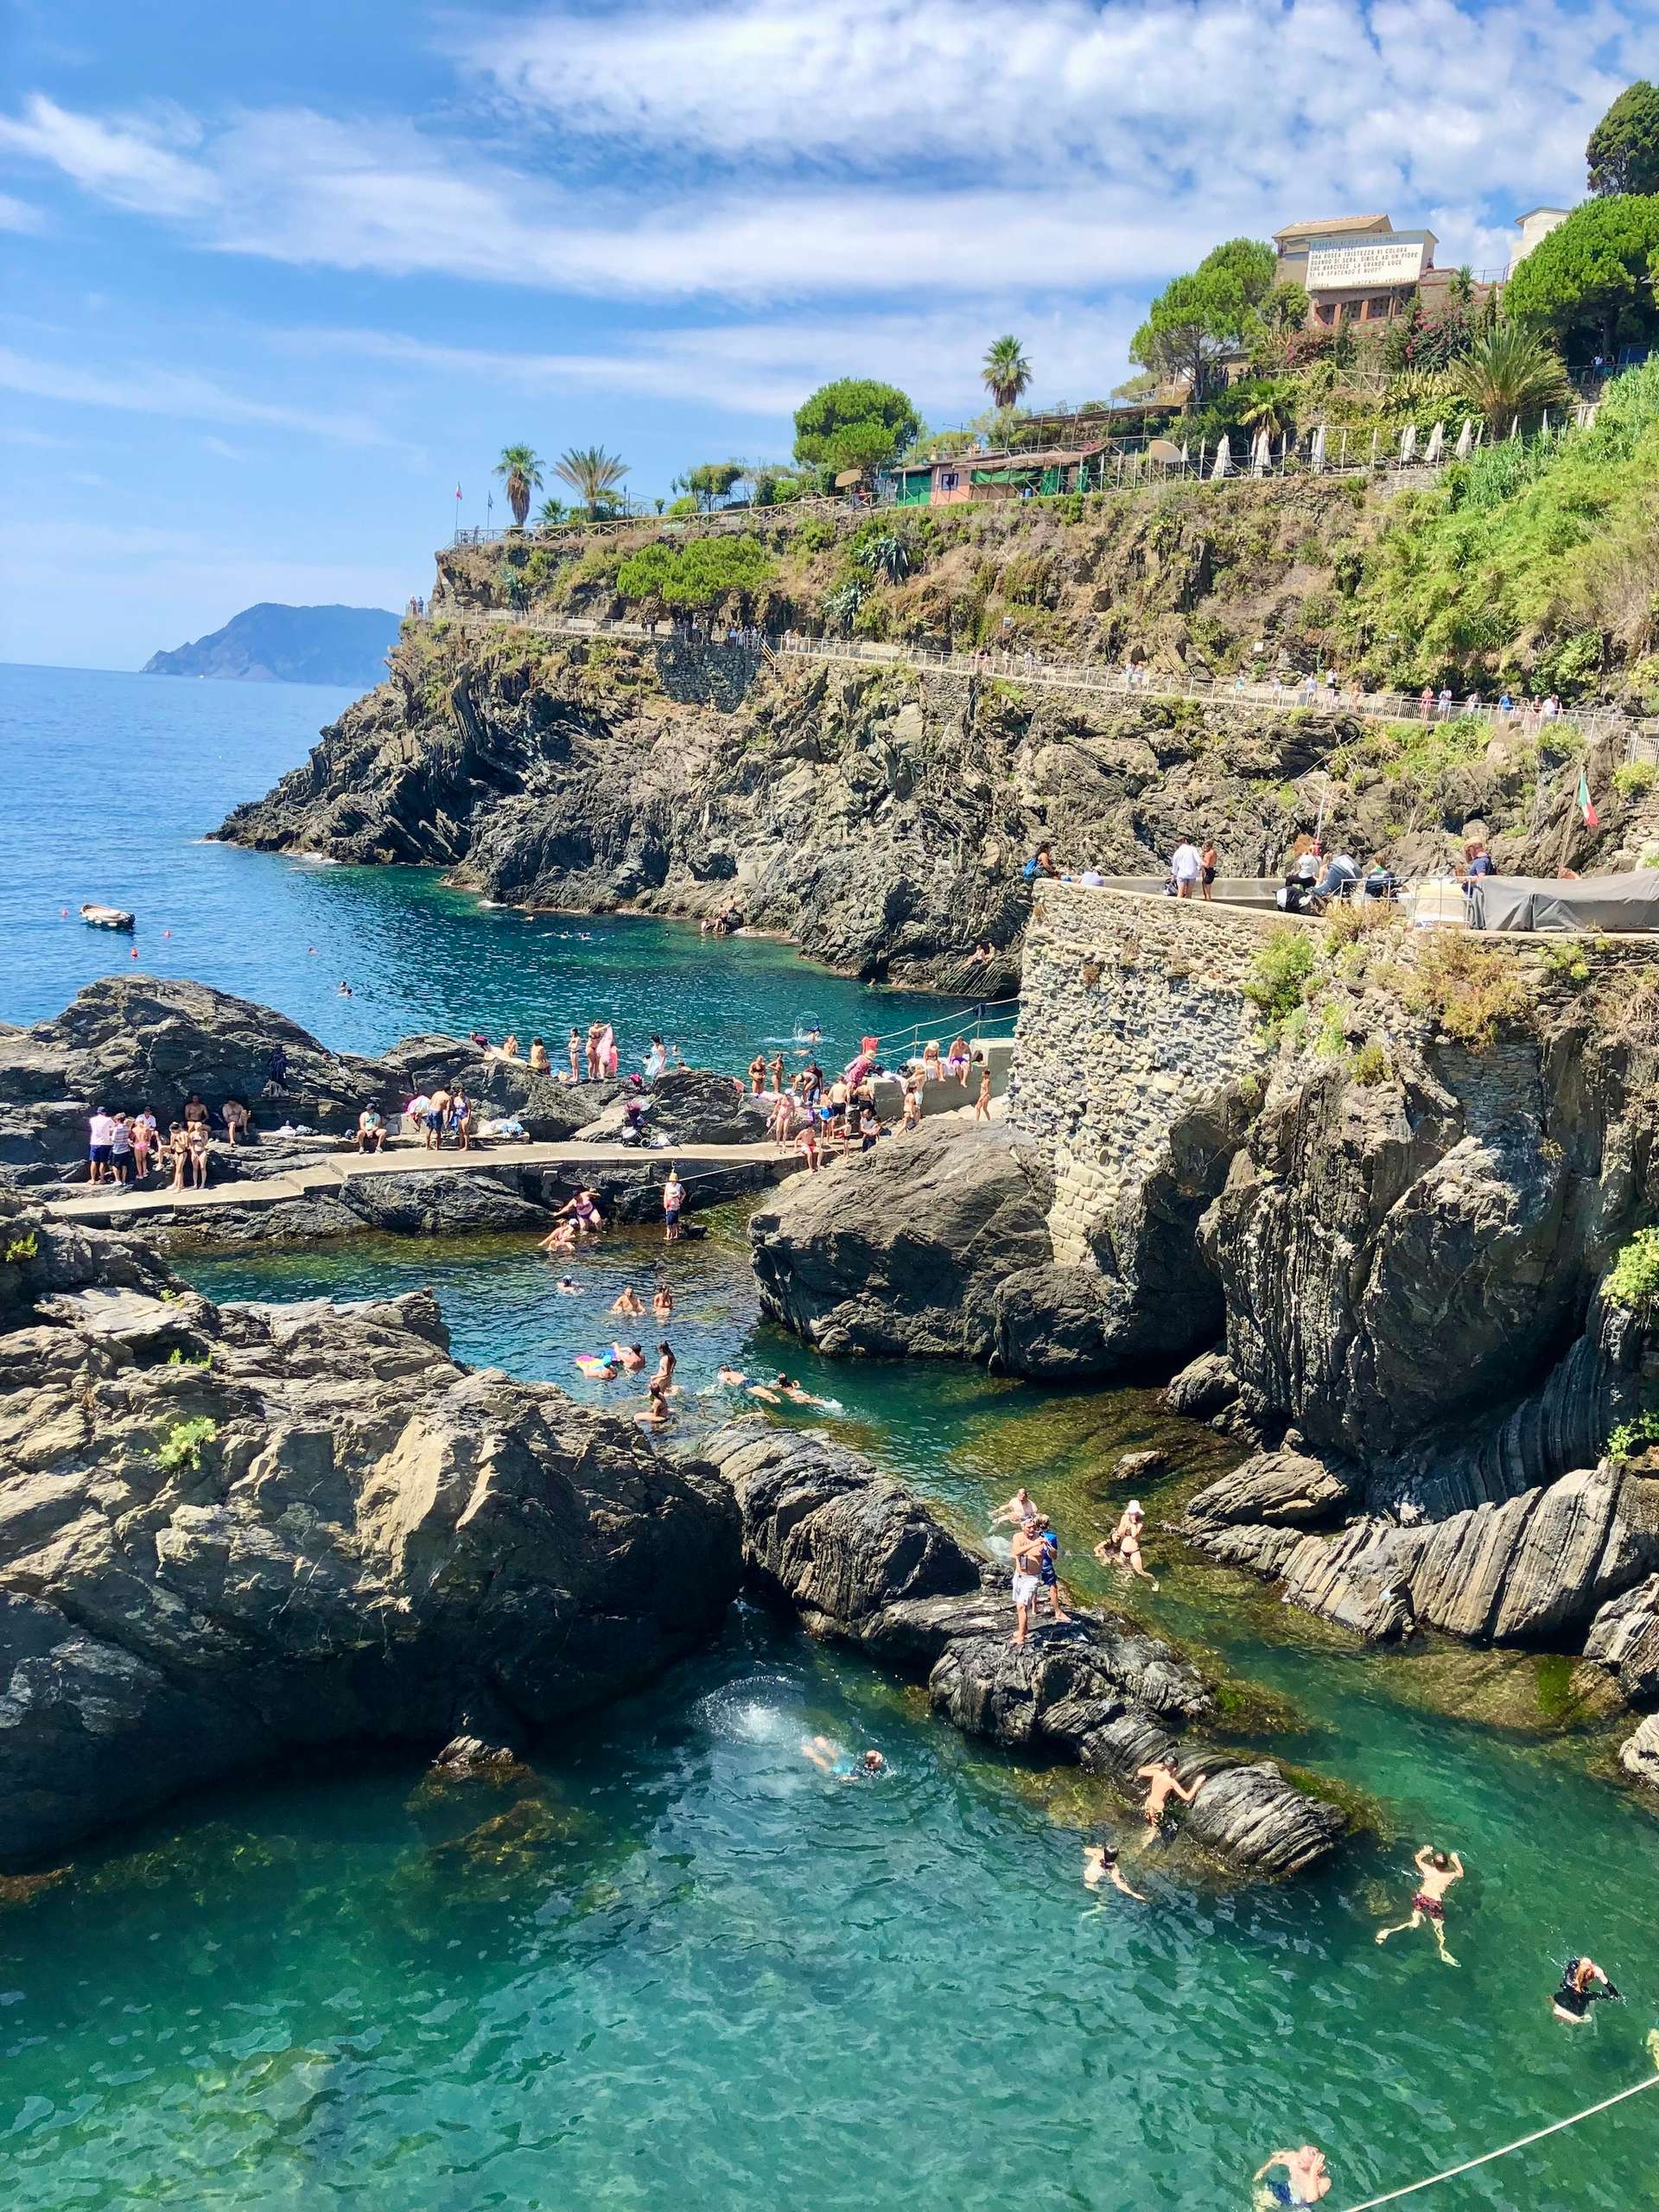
1186,868
1027,1579
1436,1872
983,1104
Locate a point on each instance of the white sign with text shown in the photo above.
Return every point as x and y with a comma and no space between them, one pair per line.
1353,268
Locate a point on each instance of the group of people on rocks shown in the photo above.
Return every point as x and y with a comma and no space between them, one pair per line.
820,1116
124,1149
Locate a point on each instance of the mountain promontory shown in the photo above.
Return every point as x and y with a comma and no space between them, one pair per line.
272,644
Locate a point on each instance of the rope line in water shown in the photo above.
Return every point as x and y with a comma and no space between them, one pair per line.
1486,2157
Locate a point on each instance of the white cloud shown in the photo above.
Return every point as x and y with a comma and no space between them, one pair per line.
132,162
182,392
766,366
18,215
754,150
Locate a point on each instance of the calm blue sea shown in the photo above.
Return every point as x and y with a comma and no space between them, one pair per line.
114,781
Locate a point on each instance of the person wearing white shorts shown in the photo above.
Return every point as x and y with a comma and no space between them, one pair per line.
1028,1564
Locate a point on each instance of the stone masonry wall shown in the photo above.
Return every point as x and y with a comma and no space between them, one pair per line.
1131,1012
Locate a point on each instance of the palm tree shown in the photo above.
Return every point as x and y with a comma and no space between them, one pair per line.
1510,372
1006,371
522,467
1272,408
552,511
592,472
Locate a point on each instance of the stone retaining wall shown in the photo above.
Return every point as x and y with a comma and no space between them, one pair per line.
1131,1009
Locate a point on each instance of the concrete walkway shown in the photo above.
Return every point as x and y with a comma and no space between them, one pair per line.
330,1170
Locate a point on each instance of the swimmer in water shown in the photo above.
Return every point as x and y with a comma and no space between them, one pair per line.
1162,1783
1306,2179
1578,1993
785,1386
629,1302
825,1753
1436,1872
1019,1509
1100,1865
569,1287
630,1357
735,1379
1123,1546
661,1301
562,1239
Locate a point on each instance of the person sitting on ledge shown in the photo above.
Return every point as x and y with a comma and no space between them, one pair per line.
538,1055
370,1131
236,1121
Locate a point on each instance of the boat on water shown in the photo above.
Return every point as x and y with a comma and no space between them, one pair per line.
105,918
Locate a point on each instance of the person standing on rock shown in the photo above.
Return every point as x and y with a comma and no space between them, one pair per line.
1047,1574
437,1108
1436,1873
1028,1579
673,1199
1186,868
573,1048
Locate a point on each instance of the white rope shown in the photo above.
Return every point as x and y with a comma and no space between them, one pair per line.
1486,2158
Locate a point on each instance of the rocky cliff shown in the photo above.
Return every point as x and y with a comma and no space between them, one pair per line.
228,1534
860,1558
881,815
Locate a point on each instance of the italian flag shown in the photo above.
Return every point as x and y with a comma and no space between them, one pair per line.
1586,806
457,491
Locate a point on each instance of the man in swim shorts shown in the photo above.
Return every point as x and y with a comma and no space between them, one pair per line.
1436,1873
1162,1783
1100,1865
1027,1579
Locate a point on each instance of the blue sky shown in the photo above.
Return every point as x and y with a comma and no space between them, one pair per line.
280,275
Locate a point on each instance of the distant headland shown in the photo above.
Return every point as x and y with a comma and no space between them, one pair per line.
269,644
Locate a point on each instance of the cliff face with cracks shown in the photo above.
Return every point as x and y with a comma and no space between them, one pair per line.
229,1534
881,815
1379,1228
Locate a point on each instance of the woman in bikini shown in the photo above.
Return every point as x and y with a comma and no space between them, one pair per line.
1123,1546
661,1302
196,1142
178,1150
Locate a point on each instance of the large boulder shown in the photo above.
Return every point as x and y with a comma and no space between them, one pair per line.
861,1558
230,1533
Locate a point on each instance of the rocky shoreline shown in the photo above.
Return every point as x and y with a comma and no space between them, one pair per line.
860,1559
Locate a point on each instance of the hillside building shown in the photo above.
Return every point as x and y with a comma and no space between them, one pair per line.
1537,223
1357,268
965,476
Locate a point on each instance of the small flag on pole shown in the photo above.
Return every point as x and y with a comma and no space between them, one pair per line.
457,491
1586,806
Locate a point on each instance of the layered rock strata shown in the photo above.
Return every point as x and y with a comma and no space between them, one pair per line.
860,1559
228,1534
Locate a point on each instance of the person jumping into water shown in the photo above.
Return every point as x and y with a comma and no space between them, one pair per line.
1306,2178
1436,1872
1162,1783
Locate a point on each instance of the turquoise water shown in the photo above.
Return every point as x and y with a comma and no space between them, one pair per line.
113,781
688,1970
678,1968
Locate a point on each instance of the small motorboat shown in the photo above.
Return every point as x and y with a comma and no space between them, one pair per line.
105,918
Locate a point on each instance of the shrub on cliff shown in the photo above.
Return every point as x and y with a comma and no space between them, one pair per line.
1279,976
702,573
1468,989
1633,1279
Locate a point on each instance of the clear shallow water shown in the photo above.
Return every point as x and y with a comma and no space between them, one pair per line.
683,1969
686,1969
114,779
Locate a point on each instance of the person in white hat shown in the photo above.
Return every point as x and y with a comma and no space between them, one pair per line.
1123,1546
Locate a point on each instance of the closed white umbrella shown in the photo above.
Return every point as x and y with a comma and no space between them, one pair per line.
1435,452
1222,464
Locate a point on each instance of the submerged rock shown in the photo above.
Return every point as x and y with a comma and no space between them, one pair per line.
231,1533
861,1558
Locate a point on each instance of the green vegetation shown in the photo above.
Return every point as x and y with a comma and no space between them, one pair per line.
854,422
699,573
1567,965
1590,283
593,474
1552,550
1633,1280
1623,149
176,1358
1195,317
1279,976
521,467
1371,1065
1510,375
1469,989
1632,1438
1004,372
711,480
184,1443
19,1248
1635,778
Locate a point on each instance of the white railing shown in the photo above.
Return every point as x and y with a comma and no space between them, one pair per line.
1527,717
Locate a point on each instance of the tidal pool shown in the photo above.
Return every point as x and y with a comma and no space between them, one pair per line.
678,1966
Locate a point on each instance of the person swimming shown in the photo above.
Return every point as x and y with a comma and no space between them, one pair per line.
597,1368
1019,1509
1123,1546
1578,1993
1100,1863
1436,1872
567,1286
630,1357
1308,2178
826,1753
629,1302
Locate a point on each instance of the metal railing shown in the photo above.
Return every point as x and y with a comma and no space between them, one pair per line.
1527,717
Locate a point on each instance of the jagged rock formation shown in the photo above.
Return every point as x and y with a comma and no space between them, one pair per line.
227,1533
861,1558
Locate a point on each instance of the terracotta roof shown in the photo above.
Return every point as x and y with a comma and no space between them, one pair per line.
1334,223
